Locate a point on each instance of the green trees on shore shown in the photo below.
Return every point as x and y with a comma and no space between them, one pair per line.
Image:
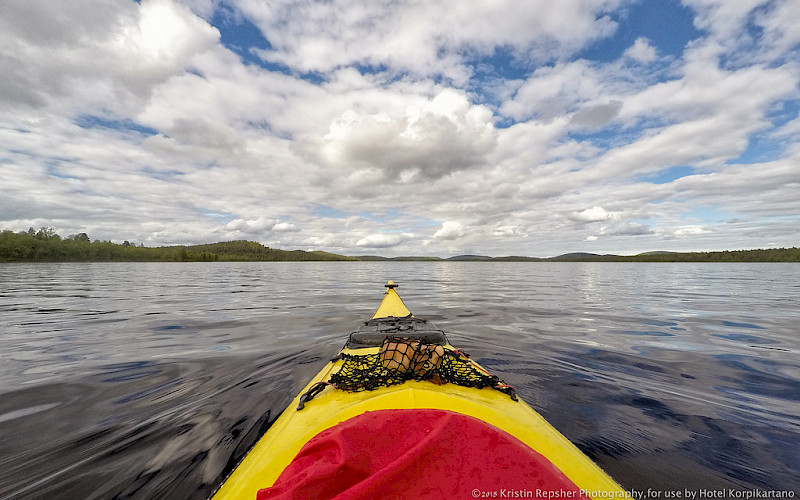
761,255
46,245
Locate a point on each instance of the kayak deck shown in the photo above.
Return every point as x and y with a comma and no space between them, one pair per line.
293,429
331,406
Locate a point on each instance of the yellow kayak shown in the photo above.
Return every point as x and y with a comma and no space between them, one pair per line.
401,413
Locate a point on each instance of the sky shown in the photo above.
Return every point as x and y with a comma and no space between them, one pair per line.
410,127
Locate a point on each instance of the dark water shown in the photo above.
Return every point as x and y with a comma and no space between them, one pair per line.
152,380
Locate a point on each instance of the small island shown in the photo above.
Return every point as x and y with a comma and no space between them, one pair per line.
45,245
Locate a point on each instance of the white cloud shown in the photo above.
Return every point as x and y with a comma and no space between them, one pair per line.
780,23
423,37
707,121
252,226
789,129
626,229
723,18
551,92
641,51
596,116
382,240
285,227
450,230
95,53
593,214
434,139
690,231
509,231
203,8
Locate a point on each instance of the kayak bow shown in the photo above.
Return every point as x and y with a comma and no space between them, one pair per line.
401,413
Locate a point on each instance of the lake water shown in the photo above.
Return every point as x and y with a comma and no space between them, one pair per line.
152,380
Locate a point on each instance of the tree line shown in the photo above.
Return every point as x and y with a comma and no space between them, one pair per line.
46,245
760,255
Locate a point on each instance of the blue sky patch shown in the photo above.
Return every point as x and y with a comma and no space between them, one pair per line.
240,35
668,32
329,212
94,121
608,137
668,175
761,148
53,166
217,215
708,214
504,63
764,146
164,175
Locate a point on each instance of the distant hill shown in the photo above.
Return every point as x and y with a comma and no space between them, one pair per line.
252,251
484,258
517,258
576,256
470,258
762,255
403,259
759,255
457,258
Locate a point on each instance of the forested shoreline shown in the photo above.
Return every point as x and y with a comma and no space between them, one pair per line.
45,245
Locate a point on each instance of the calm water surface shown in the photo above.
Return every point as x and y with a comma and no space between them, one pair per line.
152,380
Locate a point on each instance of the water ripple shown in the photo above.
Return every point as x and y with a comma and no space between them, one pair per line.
153,380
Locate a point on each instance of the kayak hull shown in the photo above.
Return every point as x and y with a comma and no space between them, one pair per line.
273,453
412,371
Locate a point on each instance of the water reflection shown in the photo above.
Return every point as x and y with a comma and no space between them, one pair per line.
152,380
